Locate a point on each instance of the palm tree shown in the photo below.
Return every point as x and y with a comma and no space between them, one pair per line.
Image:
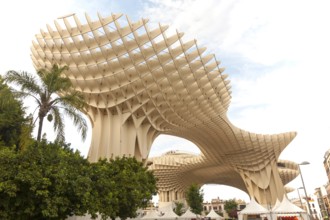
54,96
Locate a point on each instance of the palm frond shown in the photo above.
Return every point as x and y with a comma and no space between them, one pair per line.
73,98
24,80
53,79
78,120
58,124
22,95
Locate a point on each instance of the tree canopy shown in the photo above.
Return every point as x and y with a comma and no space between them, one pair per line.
51,181
231,208
45,90
45,181
15,129
195,196
123,184
178,208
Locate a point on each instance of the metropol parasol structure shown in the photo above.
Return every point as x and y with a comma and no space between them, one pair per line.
140,82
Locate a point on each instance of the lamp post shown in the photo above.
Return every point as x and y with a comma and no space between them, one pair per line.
302,180
300,197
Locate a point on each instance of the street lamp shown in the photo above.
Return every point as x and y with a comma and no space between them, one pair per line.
302,180
300,196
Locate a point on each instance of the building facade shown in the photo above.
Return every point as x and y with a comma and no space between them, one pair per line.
323,201
326,164
324,195
140,82
218,205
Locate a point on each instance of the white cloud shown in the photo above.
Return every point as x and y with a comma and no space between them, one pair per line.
212,191
264,32
19,22
165,143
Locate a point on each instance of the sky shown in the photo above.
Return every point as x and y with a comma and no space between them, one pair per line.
276,53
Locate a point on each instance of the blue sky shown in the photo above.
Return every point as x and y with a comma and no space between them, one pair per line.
276,54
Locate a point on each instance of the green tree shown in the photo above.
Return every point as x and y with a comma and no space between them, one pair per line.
194,196
120,187
50,181
15,130
45,181
231,208
103,195
45,91
178,208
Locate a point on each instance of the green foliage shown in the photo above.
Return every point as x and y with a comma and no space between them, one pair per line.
50,181
120,187
45,181
14,126
103,197
194,197
178,208
45,89
231,207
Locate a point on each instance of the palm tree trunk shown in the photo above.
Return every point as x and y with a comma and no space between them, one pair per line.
41,120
